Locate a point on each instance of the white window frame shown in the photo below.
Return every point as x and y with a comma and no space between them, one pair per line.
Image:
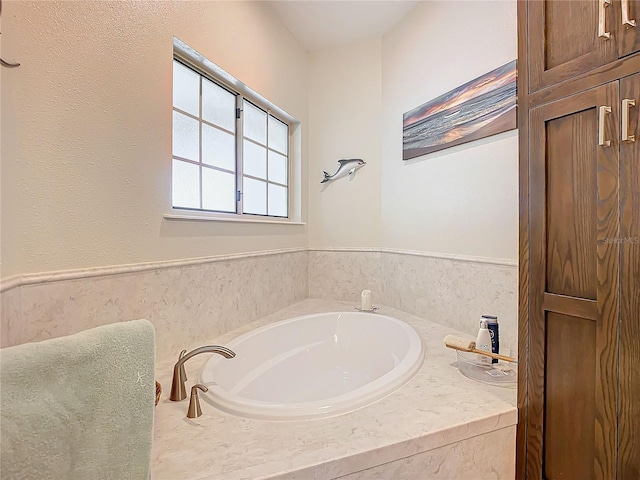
201,65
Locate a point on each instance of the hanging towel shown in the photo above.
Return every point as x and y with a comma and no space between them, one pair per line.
79,407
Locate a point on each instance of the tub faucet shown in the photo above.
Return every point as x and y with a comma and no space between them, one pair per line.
178,391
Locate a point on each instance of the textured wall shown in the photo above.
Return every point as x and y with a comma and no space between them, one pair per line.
86,127
462,200
344,122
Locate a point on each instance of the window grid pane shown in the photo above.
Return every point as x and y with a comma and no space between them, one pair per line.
278,135
186,89
204,150
278,168
277,201
254,160
184,176
218,148
218,105
255,123
218,190
255,196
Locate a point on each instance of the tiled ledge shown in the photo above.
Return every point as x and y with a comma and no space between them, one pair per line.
505,262
49,277
56,276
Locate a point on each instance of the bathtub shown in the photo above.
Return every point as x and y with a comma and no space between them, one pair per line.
313,366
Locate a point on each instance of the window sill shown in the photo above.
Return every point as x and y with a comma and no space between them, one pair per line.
206,218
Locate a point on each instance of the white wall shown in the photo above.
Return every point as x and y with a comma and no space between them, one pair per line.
344,122
86,127
86,124
462,200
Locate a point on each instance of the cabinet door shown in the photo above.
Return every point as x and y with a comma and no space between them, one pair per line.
567,38
572,379
629,422
628,28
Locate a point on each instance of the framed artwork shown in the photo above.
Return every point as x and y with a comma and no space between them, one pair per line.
480,108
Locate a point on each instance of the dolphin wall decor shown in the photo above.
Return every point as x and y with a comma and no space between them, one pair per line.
347,167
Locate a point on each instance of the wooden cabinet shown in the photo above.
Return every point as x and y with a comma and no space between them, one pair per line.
574,233
579,326
569,38
629,36
629,417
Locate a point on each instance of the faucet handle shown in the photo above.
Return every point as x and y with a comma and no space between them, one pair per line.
194,402
183,372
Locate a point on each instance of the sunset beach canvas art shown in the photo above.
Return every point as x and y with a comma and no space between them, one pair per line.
480,108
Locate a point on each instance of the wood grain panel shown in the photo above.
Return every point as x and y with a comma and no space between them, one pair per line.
523,240
536,343
608,288
605,170
629,37
557,50
563,41
570,398
577,307
629,413
593,78
571,204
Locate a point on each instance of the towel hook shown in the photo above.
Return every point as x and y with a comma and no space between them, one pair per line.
2,62
8,65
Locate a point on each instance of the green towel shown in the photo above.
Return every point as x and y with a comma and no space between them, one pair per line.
79,407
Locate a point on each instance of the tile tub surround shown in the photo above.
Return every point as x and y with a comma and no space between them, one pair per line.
217,294
436,409
343,274
454,291
473,458
449,290
184,300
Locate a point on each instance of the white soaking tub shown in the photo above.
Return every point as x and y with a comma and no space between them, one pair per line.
313,366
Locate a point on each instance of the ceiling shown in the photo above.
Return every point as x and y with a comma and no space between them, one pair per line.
329,23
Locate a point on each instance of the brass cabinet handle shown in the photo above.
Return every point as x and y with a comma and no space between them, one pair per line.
627,103
602,119
602,15
625,15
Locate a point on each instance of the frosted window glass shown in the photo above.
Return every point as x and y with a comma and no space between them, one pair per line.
277,201
278,135
218,190
218,105
254,197
254,160
255,123
186,89
277,168
218,148
185,137
185,185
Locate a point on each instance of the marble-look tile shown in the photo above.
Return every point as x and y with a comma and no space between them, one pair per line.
435,408
453,292
184,303
488,457
342,275
10,317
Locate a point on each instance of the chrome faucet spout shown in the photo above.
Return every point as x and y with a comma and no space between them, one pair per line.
178,390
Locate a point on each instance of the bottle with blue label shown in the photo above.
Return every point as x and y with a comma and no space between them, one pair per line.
492,326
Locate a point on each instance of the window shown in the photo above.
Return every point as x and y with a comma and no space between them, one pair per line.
230,152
